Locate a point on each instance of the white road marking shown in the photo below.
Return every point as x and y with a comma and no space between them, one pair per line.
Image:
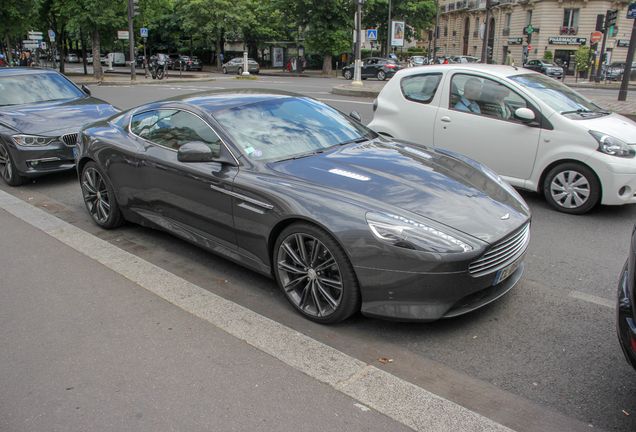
593,299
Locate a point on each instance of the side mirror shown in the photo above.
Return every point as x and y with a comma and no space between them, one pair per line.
355,115
195,151
525,114
86,89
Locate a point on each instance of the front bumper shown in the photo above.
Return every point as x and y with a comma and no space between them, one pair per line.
625,319
558,73
617,176
37,161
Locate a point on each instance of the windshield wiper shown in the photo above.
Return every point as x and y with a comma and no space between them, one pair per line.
302,155
578,111
355,140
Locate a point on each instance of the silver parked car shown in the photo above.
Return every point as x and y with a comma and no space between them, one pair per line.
236,66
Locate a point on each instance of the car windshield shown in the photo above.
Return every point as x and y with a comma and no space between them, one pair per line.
558,96
34,88
289,128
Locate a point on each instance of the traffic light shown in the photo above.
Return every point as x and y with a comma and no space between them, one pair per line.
600,22
132,8
529,38
610,18
488,52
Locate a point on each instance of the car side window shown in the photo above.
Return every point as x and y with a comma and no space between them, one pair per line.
483,96
420,88
172,128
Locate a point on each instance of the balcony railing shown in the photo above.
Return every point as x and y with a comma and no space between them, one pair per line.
451,6
462,4
473,4
569,30
476,33
506,31
506,1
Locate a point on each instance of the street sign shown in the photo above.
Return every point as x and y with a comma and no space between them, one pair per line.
35,37
144,32
372,35
38,33
51,34
121,34
631,11
42,45
596,37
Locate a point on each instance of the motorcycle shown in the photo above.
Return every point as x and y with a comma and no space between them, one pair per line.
157,67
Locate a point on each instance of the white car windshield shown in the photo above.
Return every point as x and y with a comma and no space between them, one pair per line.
558,96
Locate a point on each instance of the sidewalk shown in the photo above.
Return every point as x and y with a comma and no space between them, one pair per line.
95,339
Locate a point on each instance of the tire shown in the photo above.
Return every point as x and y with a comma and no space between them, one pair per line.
99,197
347,75
303,251
572,188
9,173
225,70
160,73
240,70
381,75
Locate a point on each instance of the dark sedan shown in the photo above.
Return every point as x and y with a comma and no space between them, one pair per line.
374,67
342,218
626,305
546,67
41,112
187,63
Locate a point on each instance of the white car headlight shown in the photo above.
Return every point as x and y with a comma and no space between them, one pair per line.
402,232
32,140
612,146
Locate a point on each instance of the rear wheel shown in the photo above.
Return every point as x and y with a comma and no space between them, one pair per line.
347,75
572,188
240,70
381,75
315,274
8,170
225,70
99,197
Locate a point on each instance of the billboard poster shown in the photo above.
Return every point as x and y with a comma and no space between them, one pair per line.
397,33
277,57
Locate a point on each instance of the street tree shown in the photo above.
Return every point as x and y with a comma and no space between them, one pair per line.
17,18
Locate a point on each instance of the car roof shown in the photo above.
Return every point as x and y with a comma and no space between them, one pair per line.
497,70
25,71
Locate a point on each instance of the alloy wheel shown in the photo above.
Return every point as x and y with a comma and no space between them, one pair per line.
310,275
5,162
570,189
96,196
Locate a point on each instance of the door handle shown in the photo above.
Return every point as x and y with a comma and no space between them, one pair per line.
445,119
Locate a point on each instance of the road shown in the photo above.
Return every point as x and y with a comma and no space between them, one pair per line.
546,350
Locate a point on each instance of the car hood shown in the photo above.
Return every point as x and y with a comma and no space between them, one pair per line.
393,176
615,125
55,118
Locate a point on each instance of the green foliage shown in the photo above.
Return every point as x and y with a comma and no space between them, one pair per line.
582,58
417,14
415,50
548,55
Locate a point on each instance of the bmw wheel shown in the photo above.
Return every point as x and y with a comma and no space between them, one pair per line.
572,188
8,170
315,274
99,198
381,75
347,74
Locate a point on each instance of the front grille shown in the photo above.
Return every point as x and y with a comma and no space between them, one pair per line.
69,139
502,254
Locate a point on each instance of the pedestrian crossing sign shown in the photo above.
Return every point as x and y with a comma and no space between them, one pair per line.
372,35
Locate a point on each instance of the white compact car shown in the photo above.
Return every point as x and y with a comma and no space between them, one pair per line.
535,132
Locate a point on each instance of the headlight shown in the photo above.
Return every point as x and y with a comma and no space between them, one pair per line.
612,146
32,140
402,232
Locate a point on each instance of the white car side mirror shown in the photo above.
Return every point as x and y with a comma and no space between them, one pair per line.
525,114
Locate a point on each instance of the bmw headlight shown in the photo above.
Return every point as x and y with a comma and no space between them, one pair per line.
32,140
612,146
405,233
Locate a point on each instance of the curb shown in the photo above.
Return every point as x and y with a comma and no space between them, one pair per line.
387,394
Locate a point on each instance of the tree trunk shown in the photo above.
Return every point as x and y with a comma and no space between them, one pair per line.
326,65
9,55
219,64
98,72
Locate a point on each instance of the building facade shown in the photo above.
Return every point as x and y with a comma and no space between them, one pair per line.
559,26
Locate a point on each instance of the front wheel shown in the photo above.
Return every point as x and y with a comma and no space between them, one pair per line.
381,75
240,71
8,170
315,274
99,197
572,188
347,75
225,70
160,73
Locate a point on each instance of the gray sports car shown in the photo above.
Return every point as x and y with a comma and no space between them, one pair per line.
342,218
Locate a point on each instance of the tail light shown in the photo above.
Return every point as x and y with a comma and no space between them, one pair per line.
390,66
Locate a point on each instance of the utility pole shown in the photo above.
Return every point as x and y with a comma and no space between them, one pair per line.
357,69
622,93
610,21
388,34
484,49
436,32
132,12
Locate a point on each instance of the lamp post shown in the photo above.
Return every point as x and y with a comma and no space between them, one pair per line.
357,75
388,33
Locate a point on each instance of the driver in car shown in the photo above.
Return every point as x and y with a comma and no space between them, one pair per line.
472,90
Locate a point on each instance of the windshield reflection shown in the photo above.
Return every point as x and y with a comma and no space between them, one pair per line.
34,88
558,96
289,127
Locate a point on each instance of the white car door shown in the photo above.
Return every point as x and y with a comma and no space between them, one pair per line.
483,133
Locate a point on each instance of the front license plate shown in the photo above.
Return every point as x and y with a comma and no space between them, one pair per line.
505,273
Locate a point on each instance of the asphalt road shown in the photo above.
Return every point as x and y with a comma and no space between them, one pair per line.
547,347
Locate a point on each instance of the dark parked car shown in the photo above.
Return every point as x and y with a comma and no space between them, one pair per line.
626,305
615,71
546,67
41,112
187,63
374,67
287,186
